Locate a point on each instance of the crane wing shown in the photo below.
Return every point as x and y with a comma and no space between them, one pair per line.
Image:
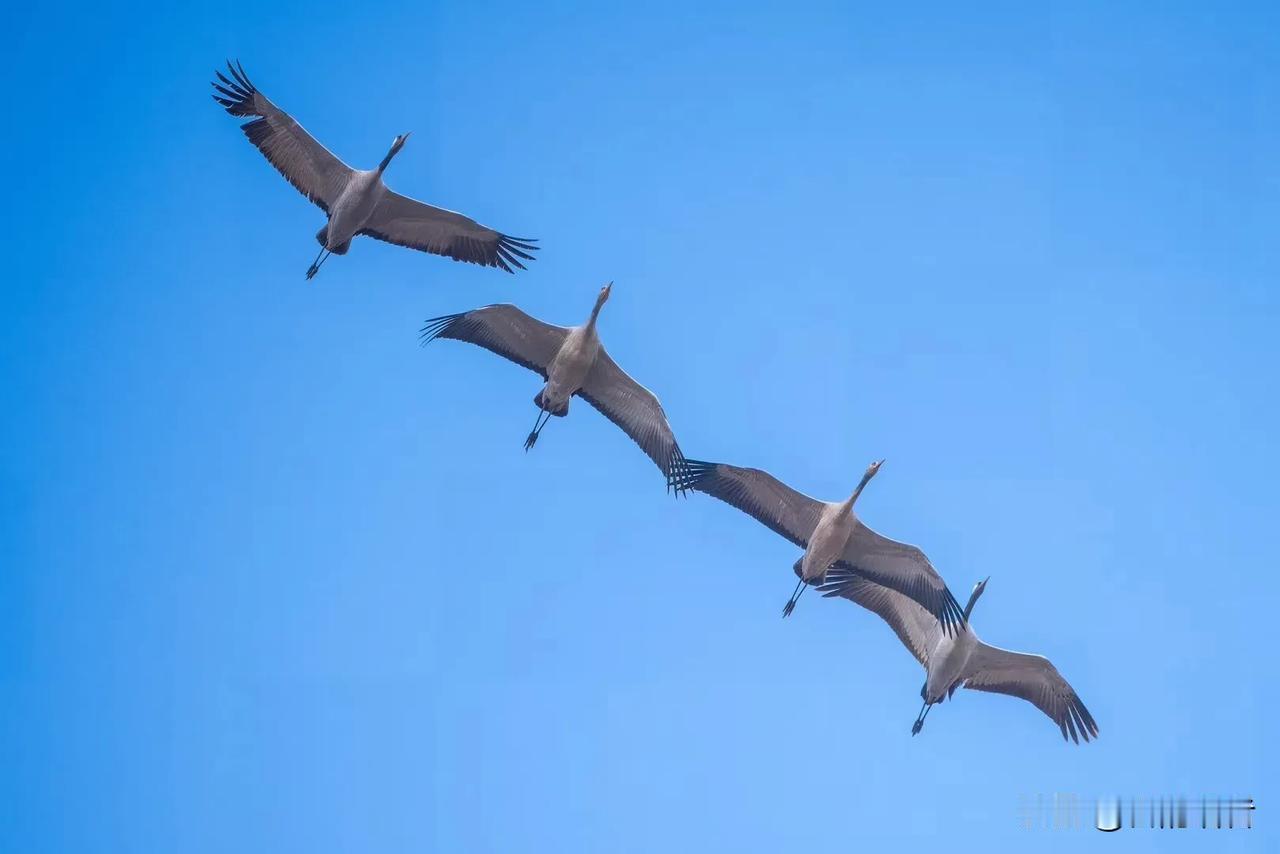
408,222
306,164
1034,679
918,630
757,493
502,329
903,568
635,410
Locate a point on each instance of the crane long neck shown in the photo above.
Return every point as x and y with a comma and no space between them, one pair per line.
595,314
862,484
386,161
973,598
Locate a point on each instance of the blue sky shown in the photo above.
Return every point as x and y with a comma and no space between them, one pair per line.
275,578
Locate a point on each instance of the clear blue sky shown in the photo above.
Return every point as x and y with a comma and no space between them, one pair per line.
276,579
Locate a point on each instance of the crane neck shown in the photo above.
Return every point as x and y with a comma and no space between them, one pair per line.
862,484
595,314
386,161
973,598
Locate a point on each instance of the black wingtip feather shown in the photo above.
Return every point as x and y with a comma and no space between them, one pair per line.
511,249
1087,725
677,473
237,71
238,92
836,581
950,614
689,475
506,256
435,327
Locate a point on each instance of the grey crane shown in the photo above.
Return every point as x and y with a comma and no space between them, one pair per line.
829,532
571,360
962,659
356,201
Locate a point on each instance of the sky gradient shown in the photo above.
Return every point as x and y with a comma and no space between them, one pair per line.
275,578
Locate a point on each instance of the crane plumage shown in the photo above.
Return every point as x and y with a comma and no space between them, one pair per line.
847,542
571,362
358,202
964,660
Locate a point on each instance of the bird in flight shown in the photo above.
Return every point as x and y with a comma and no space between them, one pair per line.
571,361
356,201
962,659
829,532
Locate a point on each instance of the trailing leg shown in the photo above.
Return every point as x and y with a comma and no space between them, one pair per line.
315,265
538,424
795,597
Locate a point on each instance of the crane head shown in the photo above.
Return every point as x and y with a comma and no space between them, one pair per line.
866,477
396,145
604,293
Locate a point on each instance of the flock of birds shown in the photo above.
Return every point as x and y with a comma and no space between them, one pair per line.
842,556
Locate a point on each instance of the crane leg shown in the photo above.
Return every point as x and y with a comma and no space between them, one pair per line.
924,713
315,265
795,597
538,424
